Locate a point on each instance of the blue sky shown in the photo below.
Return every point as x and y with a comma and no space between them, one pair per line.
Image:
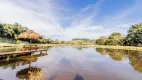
67,19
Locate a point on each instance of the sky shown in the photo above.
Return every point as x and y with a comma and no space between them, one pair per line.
68,19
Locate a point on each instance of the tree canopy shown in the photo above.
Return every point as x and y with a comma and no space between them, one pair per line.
101,40
114,39
11,30
134,36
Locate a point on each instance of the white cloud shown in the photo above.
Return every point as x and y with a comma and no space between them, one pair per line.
86,8
43,19
46,17
11,12
125,25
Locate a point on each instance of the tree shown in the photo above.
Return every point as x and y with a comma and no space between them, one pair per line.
101,40
134,35
114,39
11,30
6,31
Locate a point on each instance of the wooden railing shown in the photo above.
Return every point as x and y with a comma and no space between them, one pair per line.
30,47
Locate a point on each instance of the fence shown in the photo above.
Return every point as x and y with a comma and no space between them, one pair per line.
6,40
11,41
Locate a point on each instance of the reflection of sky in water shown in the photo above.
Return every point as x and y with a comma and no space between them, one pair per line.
87,61
63,63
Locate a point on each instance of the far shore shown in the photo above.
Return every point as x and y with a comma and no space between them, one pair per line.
5,46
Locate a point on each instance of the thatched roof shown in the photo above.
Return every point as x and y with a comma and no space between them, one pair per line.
30,34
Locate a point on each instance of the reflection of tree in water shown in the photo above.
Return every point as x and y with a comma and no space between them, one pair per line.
79,48
31,73
135,57
114,54
101,51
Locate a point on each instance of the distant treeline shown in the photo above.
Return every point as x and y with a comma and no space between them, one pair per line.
133,38
11,31
83,39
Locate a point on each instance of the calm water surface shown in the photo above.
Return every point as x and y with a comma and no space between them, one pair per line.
70,63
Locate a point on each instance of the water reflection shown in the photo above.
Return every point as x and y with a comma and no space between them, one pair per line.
79,48
86,64
78,77
31,73
19,61
135,57
70,63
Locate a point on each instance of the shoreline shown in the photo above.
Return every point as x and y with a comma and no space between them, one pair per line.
62,45
97,46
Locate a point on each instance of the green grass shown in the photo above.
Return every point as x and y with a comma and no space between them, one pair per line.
120,47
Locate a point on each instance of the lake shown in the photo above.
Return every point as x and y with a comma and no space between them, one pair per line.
74,63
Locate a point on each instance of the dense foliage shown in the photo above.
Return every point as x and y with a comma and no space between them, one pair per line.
11,30
101,40
134,36
80,41
115,38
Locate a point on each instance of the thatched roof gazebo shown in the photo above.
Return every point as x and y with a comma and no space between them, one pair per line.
30,34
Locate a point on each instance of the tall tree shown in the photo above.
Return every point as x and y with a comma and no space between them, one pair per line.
114,39
134,36
101,40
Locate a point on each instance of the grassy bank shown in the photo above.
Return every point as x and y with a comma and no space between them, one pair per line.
99,46
6,45
62,45
120,47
